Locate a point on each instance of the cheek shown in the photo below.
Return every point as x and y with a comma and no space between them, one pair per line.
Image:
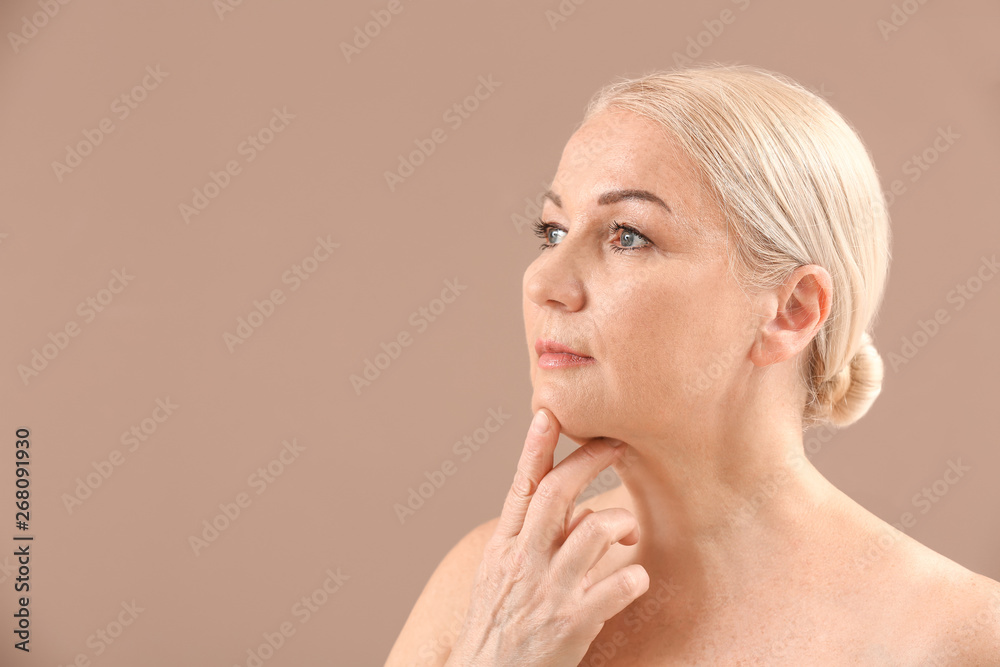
641,334
659,337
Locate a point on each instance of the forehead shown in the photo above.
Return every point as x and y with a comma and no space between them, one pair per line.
621,149
618,149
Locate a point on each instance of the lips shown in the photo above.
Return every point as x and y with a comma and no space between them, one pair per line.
543,346
553,355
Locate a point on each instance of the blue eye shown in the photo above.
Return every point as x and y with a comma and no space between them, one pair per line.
542,230
629,236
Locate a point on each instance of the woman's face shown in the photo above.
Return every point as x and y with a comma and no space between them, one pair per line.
657,311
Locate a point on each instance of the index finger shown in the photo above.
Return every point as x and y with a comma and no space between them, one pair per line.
534,464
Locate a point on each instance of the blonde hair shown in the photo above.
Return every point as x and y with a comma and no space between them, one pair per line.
797,186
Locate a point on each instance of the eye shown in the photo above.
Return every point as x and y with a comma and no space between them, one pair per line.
543,230
629,238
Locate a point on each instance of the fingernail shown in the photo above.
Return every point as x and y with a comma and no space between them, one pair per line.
540,422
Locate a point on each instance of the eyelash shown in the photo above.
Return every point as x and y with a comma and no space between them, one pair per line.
541,230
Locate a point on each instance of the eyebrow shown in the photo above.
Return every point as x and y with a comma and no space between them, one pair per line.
614,196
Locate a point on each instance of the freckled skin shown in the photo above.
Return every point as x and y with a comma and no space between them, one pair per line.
654,318
697,377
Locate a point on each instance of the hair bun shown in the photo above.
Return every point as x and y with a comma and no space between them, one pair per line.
846,396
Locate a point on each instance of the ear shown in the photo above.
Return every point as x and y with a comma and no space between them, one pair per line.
798,308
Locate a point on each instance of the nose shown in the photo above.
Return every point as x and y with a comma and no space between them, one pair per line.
553,280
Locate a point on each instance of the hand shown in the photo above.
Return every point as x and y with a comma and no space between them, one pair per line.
534,602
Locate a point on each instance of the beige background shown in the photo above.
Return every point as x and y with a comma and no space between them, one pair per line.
332,507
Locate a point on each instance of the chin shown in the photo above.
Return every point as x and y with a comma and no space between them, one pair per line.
578,421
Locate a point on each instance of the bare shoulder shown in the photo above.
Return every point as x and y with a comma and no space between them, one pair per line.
961,607
437,616
981,623
972,630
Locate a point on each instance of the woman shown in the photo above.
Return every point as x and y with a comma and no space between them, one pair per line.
716,245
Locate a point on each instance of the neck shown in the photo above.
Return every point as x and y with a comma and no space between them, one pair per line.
722,511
